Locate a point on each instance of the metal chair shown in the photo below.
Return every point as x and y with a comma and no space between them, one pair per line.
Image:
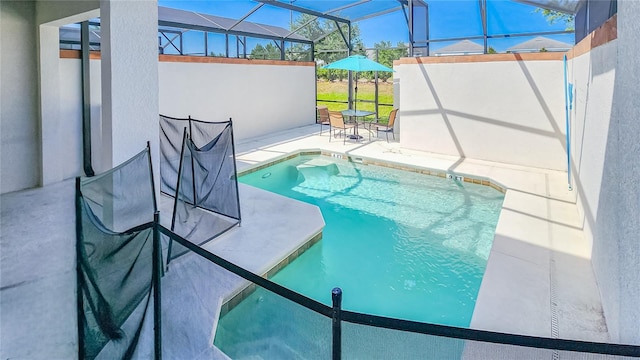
388,128
337,123
323,118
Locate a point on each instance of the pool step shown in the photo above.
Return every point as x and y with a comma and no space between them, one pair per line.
316,168
270,347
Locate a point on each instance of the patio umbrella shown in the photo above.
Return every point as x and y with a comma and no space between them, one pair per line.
357,63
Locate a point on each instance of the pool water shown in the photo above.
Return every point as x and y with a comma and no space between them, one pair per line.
399,244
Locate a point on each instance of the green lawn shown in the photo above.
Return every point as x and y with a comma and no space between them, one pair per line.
337,91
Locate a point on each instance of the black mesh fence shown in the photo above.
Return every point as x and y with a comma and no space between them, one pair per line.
202,133
205,188
171,130
114,219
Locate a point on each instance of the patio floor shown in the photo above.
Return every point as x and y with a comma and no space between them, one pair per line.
538,281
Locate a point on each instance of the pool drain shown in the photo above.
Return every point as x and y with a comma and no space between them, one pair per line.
553,289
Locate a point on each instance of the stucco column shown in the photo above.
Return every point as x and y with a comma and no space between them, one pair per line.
55,151
622,255
49,79
129,52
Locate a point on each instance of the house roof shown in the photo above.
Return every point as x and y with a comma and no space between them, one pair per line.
204,22
461,47
182,19
540,42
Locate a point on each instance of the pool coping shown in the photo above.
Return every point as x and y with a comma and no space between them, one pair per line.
468,178
247,287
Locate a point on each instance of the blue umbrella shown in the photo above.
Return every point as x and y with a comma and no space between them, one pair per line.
357,63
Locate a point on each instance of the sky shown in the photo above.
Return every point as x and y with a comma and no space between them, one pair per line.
447,19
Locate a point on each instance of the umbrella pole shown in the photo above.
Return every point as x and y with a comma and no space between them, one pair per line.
355,101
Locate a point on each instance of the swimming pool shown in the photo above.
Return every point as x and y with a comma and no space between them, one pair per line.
399,244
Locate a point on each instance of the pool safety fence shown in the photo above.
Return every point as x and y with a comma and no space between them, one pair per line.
117,261
198,169
120,279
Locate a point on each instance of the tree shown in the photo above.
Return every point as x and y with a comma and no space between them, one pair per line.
554,16
331,47
491,50
386,55
269,51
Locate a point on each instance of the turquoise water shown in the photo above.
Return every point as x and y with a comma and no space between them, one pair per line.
399,244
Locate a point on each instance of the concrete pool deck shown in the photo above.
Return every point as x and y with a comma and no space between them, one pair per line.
538,280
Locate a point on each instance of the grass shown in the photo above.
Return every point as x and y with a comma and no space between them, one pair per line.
338,91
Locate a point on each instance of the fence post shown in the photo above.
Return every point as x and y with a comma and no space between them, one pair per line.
155,278
336,296
79,275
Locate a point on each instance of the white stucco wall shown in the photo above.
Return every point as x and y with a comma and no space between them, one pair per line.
624,200
71,113
19,150
261,109
504,111
62,12
607,170
28,138
593,76
55,131
260,99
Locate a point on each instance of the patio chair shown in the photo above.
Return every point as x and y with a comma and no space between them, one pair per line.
338,126
323,118
388,128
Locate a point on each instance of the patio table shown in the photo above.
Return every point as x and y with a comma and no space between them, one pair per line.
357,114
